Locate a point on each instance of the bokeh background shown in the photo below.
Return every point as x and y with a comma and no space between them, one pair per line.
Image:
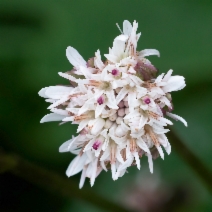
33,39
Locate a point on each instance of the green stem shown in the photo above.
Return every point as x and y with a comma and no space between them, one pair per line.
204,174
53,182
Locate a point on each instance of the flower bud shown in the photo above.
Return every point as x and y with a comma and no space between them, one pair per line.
121,112
126,104
113,117
146,71
120,132
121,104
126,110
108,124
119,120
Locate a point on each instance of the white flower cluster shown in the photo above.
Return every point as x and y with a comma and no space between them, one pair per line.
119,106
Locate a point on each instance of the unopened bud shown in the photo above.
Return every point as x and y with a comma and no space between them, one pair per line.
126,110
113,117
121,112
108,124
119,120
126,104
145,71
117,90
121,104
119,131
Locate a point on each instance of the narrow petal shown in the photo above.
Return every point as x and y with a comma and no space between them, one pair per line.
143,145
127,27
176,117
52,117
137,160
97,60
76,165
82,179
121,95
148,52
167,76
150,162
160,151
42,92
56,92
74,57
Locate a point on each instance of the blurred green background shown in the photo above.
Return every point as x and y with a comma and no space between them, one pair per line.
33,39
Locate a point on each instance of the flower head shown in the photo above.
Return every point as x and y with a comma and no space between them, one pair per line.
119,106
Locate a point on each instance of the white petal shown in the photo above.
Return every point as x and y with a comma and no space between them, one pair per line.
74,57
174,83
82,125
165,101
94,170
122,38
65,147
60,112
68,76
127,27
126,164
111,57
176,117
148,52
150,162
99,109
59,102
167,76
121,95
42,92
56,92
143,145
52,117
98,125
76,165
105,155
97,60
160,151
113,169
137,160
82,179
111,101
103,165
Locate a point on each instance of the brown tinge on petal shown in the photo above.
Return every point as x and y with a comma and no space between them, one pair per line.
152,114
123,154
90,63
149,85
113,154
133,145
152,135
83,147
100,155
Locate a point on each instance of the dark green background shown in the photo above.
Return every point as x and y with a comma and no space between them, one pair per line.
33,39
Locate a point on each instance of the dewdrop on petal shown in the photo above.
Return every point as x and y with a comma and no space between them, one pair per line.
120,105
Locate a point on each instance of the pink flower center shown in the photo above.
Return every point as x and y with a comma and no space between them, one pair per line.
147,100
100,100
96,145
115,72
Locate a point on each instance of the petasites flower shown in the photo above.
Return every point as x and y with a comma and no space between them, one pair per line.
120,106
